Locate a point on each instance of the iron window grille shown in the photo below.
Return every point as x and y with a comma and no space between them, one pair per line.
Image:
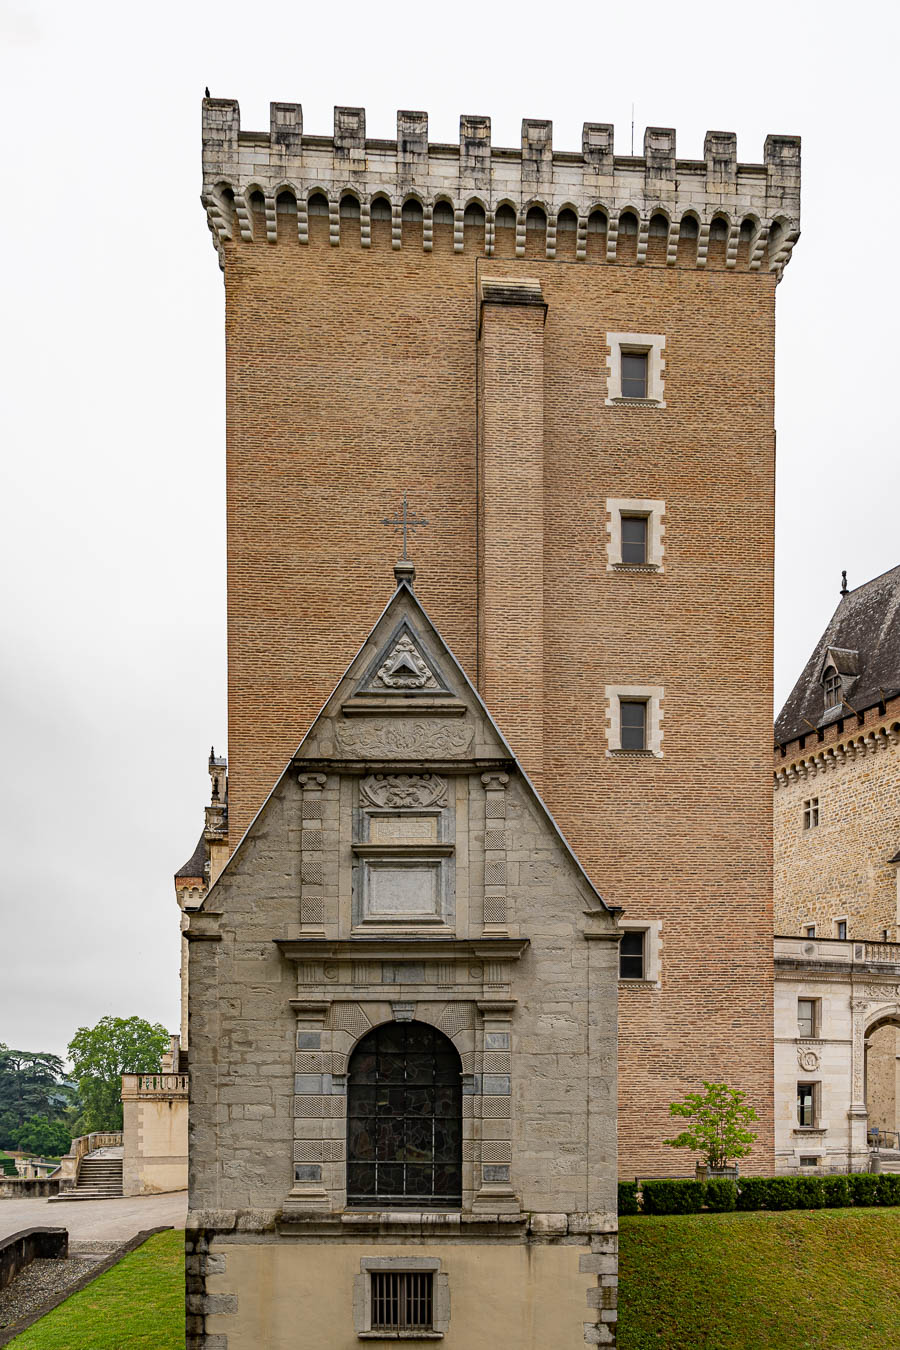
402,1300
634,374
404,1118
634,539
810,813
631,955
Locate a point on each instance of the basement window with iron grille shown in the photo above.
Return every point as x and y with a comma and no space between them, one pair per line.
402,1301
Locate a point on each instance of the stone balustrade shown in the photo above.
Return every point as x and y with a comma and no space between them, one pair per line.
154,1085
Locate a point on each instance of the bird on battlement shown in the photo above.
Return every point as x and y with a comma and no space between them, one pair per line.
206,92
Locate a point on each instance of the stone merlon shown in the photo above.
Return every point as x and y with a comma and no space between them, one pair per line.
763,198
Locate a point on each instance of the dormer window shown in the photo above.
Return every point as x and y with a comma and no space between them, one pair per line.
833,688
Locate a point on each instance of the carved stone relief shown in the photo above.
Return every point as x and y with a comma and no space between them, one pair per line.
399,790
405,668
404,738
808,1058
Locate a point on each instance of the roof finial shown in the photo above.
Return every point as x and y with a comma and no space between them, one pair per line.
844,590
402,521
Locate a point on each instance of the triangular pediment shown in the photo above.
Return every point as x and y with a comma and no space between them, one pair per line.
404,665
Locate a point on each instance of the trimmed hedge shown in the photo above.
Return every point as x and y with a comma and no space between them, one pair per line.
628,1201
835,1192
673,1197
761,1193
721,1195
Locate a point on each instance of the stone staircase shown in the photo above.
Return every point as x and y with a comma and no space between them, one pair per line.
99,1176
889,1159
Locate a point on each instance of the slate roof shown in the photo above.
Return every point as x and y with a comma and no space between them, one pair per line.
196,863
863,639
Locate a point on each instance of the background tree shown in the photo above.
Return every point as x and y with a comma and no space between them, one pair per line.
718,1129
46,1138
101,1054
31,1084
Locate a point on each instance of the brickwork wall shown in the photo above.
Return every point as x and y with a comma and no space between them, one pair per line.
840,868
351,377
511,608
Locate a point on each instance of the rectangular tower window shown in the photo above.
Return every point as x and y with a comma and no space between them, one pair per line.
631,955
806,1094
806,1017
633,723
840,928
402,1300
634,374
634,539
810,813
810,930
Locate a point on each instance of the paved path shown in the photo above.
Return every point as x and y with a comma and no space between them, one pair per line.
94,1220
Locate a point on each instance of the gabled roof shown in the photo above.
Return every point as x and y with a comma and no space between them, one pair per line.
863,642
356,681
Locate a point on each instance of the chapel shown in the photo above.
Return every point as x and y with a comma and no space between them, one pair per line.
403,1050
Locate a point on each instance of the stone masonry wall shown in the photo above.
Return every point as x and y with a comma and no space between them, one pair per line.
840,868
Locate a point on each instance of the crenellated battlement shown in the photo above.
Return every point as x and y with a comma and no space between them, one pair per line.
749,213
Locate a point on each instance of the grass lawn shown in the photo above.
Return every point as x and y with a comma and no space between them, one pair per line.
138,1305
826,1279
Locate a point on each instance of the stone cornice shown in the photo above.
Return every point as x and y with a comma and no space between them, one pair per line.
427,947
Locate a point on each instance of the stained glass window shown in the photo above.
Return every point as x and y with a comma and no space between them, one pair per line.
404,1118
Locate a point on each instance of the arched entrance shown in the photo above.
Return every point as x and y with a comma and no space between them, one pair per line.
882,1081
404,1118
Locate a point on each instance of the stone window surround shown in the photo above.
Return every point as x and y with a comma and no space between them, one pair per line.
651,343
653,695
652,930
616,508
362,1297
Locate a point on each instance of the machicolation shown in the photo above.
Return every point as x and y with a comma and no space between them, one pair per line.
587,206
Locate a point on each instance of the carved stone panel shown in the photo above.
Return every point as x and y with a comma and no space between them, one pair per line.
403,790
405,739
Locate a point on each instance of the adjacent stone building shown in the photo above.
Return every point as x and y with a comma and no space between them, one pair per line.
837,836
403,1048
567,358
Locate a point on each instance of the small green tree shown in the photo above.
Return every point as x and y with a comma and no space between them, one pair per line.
719,1120
100,1056
48,1138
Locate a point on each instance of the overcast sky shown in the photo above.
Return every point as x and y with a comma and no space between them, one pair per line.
113,657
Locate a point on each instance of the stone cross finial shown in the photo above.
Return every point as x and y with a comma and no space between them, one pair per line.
404,522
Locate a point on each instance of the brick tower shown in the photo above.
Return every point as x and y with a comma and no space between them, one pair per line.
567,361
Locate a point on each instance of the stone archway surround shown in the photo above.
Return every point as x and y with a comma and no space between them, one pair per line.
871,1005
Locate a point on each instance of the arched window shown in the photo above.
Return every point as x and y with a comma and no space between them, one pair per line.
412,210
404,1118
317,204
442,213
505,218
718,229
689,227
566,220
628,223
